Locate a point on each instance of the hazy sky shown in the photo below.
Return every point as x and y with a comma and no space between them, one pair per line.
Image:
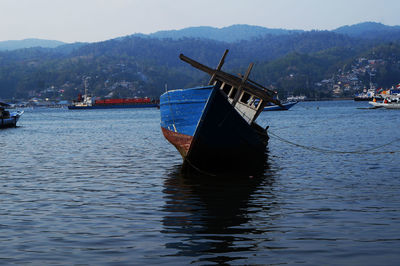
97,20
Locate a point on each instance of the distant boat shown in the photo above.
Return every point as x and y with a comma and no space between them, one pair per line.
363,97
390,99
388,103
213,127
282,107
299,98
87,102
367,95
8,119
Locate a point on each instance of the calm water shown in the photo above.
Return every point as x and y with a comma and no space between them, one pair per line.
103,187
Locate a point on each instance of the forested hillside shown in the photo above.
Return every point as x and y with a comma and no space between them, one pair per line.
291,63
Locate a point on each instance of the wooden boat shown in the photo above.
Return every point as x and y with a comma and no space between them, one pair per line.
284,106
8,119
213,127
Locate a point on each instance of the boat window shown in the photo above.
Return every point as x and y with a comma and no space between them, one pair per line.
218,83
255,102
233,93
227,88
245,98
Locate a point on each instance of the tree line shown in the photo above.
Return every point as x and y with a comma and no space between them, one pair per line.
290,62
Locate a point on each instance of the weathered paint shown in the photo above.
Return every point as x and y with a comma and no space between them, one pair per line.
180,110
180,141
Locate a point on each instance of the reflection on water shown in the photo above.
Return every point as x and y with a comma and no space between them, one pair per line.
228,170
215,213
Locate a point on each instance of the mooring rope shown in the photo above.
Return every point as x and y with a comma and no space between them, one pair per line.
311,148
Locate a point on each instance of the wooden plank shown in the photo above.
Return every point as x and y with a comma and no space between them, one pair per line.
240,88
220,64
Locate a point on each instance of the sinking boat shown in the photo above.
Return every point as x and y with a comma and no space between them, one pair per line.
8,119
213,126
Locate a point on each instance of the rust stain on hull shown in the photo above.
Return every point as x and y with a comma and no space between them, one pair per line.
180,141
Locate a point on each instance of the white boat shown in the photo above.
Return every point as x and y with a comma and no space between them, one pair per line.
299,98
389,102
376,104
284,106
392,105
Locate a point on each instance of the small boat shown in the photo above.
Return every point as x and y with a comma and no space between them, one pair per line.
299,98
366,95
388,102
285,106
392,105
213,126
8,119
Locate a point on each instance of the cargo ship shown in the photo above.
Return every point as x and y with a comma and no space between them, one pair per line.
88,102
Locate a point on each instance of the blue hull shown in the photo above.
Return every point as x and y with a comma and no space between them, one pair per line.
209,133
11,121
73,107
181,109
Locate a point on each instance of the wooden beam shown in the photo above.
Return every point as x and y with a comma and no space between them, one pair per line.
257,84
242,84
221,63
265,95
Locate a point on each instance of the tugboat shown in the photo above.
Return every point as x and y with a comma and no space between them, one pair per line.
213,127
8,119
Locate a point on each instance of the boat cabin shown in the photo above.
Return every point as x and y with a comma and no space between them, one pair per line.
245,95
247,104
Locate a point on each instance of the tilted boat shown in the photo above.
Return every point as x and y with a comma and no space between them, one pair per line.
8,119
213,127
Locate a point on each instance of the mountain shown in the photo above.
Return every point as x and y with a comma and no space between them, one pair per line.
145,65
232,33
140,65
370,30
28,43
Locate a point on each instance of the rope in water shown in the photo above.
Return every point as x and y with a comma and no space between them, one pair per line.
311,148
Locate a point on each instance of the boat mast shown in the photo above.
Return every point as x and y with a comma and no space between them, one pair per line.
85,84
